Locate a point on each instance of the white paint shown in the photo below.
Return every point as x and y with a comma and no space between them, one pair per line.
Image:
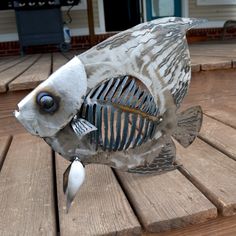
215,2
101,17
9,37
209,24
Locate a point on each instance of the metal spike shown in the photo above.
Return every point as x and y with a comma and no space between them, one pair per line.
150,130
90,93
112,129
146,107
153,130
132,131
113,90
118,125
141,124
106,90
98,125
152,109
136,97
147,127
91,119
127,91
96,95
131,95
145,133
125,128
144,98
105,119
121,87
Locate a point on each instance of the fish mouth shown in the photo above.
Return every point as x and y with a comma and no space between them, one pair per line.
16,113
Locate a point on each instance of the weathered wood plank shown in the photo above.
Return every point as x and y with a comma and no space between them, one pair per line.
10,126
4,145
34,75
8,123
9,75
219,135
10,62
217,50
100,207
223,113
212,172
58,61
222,226
167,201
213,63
26,189
8,102
195,67
211,88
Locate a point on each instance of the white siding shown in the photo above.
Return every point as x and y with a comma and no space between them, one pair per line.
212,12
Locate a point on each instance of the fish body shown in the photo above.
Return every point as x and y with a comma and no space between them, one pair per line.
116,104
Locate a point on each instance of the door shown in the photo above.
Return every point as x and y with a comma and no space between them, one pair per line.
162,8
121,14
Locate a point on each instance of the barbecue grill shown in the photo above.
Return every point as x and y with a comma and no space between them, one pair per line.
39,22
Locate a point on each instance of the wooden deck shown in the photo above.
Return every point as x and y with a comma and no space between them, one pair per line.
197,199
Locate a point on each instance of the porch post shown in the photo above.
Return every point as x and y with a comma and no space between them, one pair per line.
90,22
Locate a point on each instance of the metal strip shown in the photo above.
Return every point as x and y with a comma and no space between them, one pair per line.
132,131
125,128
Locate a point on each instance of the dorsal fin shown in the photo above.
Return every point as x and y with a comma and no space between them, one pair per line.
155,52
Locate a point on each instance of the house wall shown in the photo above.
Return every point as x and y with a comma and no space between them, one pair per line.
79,25
212,12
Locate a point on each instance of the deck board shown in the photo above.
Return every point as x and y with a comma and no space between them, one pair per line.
10,62
58,61
222,226
26,189
224,113
212,172
219,135
100,207
213,63
168,201
9,75
4,145
9,101
31,78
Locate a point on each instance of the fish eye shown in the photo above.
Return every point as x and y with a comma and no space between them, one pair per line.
47,102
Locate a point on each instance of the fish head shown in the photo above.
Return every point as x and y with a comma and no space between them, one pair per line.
53,104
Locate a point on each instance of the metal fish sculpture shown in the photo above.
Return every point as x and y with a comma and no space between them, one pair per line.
116,104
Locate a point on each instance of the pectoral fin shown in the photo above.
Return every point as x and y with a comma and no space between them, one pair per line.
189,123
162,163
82,127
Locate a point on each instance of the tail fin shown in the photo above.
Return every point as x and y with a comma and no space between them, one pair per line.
189,123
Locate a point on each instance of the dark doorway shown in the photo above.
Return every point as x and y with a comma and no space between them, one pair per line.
121,14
